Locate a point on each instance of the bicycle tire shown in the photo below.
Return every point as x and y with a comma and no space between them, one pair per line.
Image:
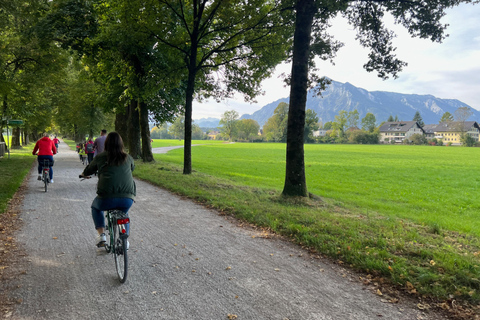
120,253
45,180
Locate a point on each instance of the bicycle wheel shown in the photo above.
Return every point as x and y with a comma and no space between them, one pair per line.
45,180
120,253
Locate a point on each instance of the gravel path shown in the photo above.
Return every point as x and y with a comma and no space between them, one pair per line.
186,262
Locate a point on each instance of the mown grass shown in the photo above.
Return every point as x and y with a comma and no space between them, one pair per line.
13,172
403,213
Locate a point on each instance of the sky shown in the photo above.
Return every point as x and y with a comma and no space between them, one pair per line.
447,70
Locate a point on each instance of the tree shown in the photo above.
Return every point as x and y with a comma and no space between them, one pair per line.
248,129
229,124
340,124
311,124
446,117
275,129
177,129
468,141
417,139
420,18
197,133
328,125
461,115
352,119
224,46
417,117
369,122
390,119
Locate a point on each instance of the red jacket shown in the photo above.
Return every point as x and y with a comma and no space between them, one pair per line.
45,147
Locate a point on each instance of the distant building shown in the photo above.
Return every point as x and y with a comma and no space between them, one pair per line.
398,131
320,133
451,131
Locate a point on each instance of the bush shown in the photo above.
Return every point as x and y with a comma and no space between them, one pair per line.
417,139
468,140
363,137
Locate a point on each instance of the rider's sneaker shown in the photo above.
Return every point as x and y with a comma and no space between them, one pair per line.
101,239
128,245
51,180
39,177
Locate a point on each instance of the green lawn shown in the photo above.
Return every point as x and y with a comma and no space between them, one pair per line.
432,185
157,143
13,171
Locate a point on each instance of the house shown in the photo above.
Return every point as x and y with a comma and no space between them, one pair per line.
320,133
399,130
430,130
451,131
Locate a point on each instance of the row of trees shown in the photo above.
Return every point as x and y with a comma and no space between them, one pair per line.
76,66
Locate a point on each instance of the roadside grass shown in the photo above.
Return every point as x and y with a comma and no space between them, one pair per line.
13,172
403,214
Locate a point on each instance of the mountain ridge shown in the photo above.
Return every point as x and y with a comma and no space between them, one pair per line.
345,96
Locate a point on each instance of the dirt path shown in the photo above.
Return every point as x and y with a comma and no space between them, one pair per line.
186,262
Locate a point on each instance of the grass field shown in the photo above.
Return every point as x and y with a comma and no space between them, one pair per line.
432,185
13,171
404,213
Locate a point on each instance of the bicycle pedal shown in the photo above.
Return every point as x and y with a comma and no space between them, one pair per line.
101,244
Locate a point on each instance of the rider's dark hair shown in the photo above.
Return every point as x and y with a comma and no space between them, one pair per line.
114,148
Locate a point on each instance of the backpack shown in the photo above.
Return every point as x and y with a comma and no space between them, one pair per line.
89,147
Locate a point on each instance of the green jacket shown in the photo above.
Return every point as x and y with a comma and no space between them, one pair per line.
113,181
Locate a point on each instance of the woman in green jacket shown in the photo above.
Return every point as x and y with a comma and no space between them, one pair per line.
116,188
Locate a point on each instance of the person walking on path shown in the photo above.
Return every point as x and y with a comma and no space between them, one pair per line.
116,188
89,150
99,144
46,149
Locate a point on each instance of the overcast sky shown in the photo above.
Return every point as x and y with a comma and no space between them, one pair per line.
450,70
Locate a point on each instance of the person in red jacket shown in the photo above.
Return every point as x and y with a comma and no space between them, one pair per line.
46,149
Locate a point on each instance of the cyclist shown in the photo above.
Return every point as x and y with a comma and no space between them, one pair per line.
56,141
46,149
115,188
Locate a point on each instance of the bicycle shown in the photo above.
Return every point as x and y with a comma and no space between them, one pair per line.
46,173
117,244
117,221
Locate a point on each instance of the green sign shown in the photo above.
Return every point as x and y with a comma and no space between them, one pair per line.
15,122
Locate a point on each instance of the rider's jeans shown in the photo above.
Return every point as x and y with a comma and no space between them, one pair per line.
40,164
101,204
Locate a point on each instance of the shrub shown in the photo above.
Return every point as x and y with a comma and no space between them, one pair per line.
417,139
363,137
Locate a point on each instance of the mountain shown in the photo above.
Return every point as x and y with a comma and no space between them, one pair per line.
345,96
207,122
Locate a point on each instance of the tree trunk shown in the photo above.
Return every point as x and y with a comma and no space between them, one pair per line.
134,148
295,182
121,125
16,138
145,133
192,70
24,137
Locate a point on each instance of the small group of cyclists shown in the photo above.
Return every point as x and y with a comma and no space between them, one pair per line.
115,187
